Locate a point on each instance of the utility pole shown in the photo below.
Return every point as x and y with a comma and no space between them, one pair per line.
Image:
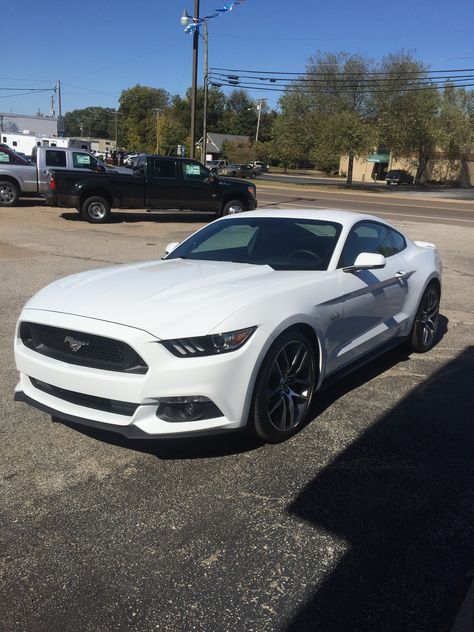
206,88
194,80
117,114
157,150
60,112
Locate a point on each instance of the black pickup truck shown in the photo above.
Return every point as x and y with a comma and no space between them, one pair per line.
156,182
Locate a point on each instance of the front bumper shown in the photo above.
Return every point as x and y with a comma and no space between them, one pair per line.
226,380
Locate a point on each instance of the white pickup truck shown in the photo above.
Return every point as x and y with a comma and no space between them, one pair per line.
22,178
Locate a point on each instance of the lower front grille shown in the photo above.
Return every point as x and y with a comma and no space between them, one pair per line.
90,401
84,349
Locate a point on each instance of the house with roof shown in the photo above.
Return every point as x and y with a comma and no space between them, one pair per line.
215,143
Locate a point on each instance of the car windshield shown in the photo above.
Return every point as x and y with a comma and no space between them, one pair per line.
282,243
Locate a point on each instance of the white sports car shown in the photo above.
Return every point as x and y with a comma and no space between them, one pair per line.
237,327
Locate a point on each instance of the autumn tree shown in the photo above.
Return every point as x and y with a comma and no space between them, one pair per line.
138,107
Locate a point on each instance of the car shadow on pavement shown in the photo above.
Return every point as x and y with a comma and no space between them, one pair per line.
202,447
156,217
400,500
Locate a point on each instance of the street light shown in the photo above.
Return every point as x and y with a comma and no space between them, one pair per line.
259,110
193,24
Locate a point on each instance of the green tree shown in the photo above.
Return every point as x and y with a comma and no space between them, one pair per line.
138,107
170,134
342,115
238,152
93,121
408,110
291,135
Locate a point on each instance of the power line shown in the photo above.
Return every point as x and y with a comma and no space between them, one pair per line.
362,90
336,67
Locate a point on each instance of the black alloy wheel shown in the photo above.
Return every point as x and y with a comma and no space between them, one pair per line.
425,327
284,388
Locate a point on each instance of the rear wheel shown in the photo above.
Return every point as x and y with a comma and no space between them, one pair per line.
425,327
9,193
234,206
96,210
284,388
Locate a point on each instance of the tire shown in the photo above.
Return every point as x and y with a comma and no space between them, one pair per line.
9,193
284,388
95,210
425,327
234,206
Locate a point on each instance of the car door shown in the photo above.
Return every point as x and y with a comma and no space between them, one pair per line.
163,188
200,187
373,301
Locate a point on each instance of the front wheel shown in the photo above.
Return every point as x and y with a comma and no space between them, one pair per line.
234,206
95,210
425,327
9,193
284,388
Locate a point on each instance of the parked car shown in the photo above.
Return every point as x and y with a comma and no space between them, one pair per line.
238,327
398,176
239,171
21,177
215,165
128,159
262,165
156,182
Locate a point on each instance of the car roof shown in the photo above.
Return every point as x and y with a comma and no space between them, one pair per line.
346,218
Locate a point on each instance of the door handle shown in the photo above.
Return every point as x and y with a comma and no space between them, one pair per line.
400,273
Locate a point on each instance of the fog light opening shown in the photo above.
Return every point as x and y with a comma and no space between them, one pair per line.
191,408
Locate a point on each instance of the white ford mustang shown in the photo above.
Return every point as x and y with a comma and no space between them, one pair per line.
237,327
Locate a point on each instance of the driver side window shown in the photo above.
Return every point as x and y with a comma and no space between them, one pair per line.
195,172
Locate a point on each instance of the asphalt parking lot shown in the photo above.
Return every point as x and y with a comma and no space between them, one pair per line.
362,522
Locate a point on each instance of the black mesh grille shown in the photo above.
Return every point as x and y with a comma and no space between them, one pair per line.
91,401
81,348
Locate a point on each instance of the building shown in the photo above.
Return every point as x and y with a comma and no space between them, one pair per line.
216,141
34,125
440,169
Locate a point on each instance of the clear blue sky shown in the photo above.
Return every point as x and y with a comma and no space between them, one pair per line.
99,48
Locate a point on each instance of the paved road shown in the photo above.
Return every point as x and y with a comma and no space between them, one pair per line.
386,205
362,522
430,191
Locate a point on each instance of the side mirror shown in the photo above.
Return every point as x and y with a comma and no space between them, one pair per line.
100,168
366,261
171,246
211,179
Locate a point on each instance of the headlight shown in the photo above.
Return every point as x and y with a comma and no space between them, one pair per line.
208,345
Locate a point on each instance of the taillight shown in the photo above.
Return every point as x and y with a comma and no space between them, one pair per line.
52,183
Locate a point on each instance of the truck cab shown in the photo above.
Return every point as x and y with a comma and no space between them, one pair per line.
20,177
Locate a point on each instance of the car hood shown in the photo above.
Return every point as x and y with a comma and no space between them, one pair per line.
165,298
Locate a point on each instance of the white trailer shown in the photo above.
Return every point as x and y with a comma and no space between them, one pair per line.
24,143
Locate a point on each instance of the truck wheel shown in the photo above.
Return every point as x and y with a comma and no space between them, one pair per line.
234,206
95,210
9,193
